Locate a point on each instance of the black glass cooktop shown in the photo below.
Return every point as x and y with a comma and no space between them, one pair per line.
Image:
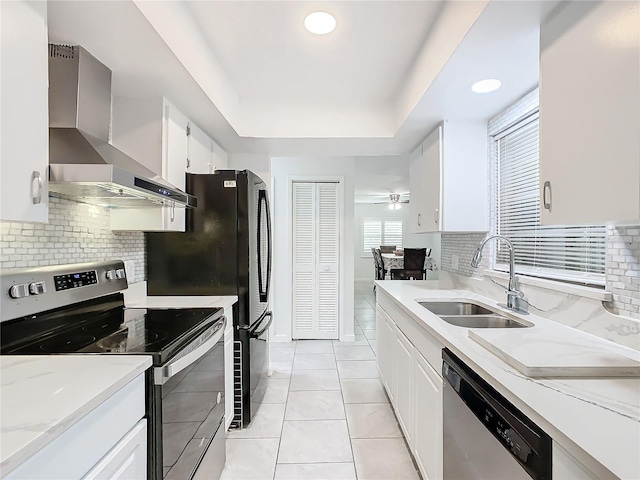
105,326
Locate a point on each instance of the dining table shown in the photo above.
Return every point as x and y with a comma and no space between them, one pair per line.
393,261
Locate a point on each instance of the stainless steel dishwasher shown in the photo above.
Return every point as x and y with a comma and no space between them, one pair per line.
485,436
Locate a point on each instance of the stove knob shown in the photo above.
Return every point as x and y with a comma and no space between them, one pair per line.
37,288
120,273
111,274
19,291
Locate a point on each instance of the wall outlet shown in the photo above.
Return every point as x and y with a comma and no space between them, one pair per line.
454,261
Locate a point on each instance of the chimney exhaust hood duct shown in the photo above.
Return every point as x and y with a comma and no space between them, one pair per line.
83,165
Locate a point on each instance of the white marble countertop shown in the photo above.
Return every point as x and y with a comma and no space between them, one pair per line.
595,419
44,395
136,297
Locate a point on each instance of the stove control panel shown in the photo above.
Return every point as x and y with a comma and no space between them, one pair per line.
33,290
75,280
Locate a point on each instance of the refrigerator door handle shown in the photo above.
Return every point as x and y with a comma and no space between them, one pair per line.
263,288
254,334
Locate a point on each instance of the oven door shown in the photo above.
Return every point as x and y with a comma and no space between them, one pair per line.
191,409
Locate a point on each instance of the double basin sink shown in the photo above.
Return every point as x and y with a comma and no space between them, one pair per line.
471,315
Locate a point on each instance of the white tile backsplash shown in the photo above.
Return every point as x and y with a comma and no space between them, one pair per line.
76,232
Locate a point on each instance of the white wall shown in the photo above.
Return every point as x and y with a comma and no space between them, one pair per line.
363,266
258,163
282,169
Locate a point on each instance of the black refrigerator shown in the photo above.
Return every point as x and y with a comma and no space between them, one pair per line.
226,250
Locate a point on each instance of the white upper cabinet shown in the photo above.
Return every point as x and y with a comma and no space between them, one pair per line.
448,179
153,132
200,151
590,114
24,145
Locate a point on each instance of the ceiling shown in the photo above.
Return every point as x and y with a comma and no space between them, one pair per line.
251,77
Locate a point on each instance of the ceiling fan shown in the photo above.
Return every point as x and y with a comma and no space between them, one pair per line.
394,202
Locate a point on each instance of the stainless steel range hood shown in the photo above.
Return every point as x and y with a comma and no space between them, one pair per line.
83,165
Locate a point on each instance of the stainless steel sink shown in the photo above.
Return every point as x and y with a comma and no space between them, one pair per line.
482,321
471,315
455,308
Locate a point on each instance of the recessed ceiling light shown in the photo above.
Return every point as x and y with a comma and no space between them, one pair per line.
320,23
486,86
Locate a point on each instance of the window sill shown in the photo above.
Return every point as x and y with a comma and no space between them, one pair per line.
579,290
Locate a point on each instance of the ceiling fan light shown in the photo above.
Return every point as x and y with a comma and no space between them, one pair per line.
394,206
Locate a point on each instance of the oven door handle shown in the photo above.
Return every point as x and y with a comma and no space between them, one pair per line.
162,374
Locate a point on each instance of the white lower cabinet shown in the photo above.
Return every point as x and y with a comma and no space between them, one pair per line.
384,351
427,414
412,382
566,467
110,442
403,364
127,460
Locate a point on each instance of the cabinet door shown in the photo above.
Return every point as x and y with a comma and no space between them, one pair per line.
385,338
127,460
432,159
427,444
200,151
174,162
24,150
403,363
425,171
589,116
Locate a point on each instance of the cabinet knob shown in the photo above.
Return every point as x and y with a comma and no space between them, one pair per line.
418,219
436,215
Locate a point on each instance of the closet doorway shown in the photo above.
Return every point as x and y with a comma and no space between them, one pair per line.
316,262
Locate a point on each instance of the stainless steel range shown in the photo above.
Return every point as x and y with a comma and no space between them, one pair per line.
80,309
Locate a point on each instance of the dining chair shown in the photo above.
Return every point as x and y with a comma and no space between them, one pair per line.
380,270
413,265
387,248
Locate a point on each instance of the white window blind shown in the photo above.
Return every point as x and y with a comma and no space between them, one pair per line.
380,231
568,253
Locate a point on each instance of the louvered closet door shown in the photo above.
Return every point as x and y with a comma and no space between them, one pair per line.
315,260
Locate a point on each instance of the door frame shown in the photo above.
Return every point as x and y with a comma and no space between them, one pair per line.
339,179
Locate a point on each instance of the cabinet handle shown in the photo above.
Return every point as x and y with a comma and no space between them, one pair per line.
173,211
418,219
188,162
546,188
37,196
436,215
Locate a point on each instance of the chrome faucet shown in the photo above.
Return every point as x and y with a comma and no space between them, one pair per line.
513,294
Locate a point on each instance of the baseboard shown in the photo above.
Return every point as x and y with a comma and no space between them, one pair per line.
348,338
282,338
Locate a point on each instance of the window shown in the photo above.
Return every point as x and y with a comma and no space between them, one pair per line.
380,231
566,253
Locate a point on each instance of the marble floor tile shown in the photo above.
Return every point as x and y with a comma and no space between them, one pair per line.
314,380
282,354
383,459
357,330
363,390
370,334
358,369
315,406
283,344
315,441
267,423
277,390
315,471
363,352
372,420
367,324
314,361
262,462
374,346
314,346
